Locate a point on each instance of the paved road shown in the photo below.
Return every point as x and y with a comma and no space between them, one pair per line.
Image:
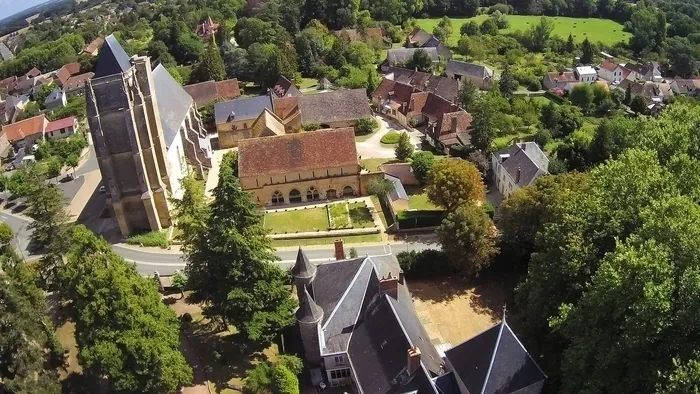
166,262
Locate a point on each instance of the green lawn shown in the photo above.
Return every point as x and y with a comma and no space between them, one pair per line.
301,220
506,140
360,215
353,239
308,83
339,217
597,30
372,165
418,199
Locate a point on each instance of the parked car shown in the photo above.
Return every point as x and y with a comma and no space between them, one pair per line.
103,189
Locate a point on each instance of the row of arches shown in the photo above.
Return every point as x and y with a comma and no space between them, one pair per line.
312,194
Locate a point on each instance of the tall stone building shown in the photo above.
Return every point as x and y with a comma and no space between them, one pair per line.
143,145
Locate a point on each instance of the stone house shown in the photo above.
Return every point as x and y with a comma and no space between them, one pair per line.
65,72
335,109
285,88
586,74
300,167
56,99
612,72
517,166
444,87
207,29
61,128
75,85
649,72
375,34
559,80
419,38
399,57
235,118
479,75
93,48
26,132
690,87
205,93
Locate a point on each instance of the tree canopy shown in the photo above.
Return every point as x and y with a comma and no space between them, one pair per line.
453,182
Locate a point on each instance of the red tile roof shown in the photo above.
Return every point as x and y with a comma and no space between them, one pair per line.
61,124
65,72
609,65
94,45
19,130
357,35
207,92
562,77
320,149
77,82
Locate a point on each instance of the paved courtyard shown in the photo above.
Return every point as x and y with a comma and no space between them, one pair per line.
372,147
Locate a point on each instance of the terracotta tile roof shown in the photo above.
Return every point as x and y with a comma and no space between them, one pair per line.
297,152
419,100
208,28
562,77
340,105
8,82
61,124
65,72
609,65
33,73
94,45
464,122
77,82
356,35
19,130
286,106
394,91
207,92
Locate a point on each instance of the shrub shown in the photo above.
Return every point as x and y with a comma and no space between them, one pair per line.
152,238
503,8
543,137
366,126
310,126
186,317
422,162
390,138
534,84
489,209
424,264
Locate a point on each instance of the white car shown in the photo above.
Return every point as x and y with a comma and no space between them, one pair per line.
103,189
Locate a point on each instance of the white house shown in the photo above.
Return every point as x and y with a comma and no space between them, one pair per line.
612,72
61,128
518,166
586,74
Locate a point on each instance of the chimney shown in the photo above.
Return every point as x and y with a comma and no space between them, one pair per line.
403,107
413,361
339,250
517,177
401,277
390,286
454,124
412,103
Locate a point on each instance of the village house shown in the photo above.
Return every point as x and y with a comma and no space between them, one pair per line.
517,166
93,48
234,119
26,132
75,85
644,72
205,93
479,75
65,72
335,109
359,328
285,88
399,57
372,34
56,99
559,80
586,74
5,147
12,107
612,72
207,29
446,88
690,87
61,128
419,38
5,53
300,167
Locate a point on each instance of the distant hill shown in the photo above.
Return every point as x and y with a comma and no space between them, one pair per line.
17,21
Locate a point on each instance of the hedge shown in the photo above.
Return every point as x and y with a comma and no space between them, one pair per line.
418,219
391,137
427,263
152,238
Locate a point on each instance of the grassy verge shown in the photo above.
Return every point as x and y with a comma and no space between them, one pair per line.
385,216
152,238
390,138
372,165
360,215
418,199
338,215
301,220
352,239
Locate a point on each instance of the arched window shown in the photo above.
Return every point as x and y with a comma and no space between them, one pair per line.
348,191
331,194
312,194
277,198
294,196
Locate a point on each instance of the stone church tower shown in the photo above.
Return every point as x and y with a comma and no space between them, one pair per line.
128,137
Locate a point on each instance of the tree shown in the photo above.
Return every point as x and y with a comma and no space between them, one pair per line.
211,65
489,27
561,120
43,93
380,187
191,212
507,84
582,96
404,148
53,167
72,161
453,182
229,264
468,93
466,236
483,127
467,8
366,126
235,62
540,34
570,44
123,330
682,55
500,19
470,28
278,378
443,30
543,137
6,234
587,52
420,60
421,164
638,105
179,282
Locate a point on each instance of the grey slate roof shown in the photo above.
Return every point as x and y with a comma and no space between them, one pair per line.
241,108
525,157
308,311
447,384
303,267
336,106
495,362
173,103
55,95
400,56
332,280
112,59
5,53
464,68
399,193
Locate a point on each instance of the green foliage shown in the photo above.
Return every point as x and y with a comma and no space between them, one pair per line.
310,126
230,264
507,84
543,137
470,28
380,187
122,328
453,182
489,27
150,238
466,236
561,120
404,148
500,19
639,103
468,94
390,138
587,52
277,378
582,96
191,211
424,264
211,65
420,60
366,126
50,55
6,234
421,163
483,124
75,107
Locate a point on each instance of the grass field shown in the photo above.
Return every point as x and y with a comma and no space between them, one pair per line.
297,221
597,30
352,239
360,215
418,199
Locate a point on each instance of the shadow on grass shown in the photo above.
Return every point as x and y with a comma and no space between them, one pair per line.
361,216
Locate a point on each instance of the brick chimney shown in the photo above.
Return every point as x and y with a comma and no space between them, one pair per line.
454,124
339,250
402,280
517,176
390,285
413,361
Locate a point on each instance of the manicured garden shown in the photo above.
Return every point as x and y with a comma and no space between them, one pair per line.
597,30
334,216
348,240
390,138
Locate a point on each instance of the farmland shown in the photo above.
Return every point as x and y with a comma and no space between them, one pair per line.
597,30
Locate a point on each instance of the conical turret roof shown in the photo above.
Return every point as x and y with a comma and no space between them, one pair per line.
303,269
308,311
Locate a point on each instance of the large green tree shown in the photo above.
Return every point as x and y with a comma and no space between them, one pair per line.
211,65
453,182
230,265
466,235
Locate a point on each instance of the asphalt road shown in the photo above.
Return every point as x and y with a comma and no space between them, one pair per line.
166,262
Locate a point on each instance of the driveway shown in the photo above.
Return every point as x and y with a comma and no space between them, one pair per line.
372,148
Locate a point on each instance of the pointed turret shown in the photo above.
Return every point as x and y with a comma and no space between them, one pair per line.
309,311
303,271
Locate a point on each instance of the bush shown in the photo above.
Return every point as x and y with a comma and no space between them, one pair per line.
186,317
310,126
390,138
503,8
424,264
419,219
422,162
543,137
366,126
152,238
489,209
534,84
